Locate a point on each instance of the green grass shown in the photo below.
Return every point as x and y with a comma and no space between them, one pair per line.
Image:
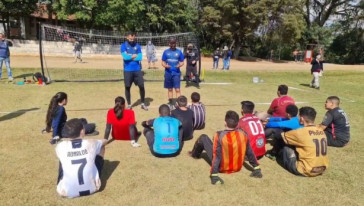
28,164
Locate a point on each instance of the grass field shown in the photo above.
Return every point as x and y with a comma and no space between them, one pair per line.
132,176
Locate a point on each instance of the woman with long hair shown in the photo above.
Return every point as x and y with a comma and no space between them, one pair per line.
122,123
57,117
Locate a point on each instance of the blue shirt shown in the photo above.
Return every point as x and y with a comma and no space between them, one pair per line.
127,50
282,123
173,58
166,135
59,120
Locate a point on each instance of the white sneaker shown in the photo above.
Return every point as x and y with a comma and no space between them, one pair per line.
11,78
135,144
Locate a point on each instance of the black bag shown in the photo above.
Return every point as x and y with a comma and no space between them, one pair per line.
38,75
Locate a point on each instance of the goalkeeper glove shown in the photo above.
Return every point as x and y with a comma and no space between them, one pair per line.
216,179
257,173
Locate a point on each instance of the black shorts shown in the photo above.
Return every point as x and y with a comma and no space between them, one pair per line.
134,76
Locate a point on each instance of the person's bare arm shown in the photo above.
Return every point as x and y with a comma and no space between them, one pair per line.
165,65
323,127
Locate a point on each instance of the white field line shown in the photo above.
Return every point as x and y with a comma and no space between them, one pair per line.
312,91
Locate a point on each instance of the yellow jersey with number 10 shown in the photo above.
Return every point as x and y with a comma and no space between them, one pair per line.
311,145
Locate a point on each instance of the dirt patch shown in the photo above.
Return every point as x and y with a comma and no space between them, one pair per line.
115,62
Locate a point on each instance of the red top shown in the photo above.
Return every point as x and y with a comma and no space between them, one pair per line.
254,128
279,105
120,128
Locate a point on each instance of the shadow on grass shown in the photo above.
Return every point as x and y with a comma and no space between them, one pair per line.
24,75
306,85
16,114
148,100
107,170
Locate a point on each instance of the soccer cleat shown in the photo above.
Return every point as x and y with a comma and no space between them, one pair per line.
271,155
11,78
129,107
54,140
145,107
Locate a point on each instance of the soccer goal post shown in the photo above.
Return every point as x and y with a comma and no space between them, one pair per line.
99,53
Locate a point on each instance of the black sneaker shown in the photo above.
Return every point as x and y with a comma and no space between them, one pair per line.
54,140
94,133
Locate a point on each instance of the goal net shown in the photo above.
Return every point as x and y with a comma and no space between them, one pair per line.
100,53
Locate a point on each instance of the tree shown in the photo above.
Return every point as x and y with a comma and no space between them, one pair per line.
15,8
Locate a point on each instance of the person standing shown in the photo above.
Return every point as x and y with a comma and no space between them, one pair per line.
151,52
216,57
192,57
78,50
335,123
172,61
225,57
295,55
5,55
132,55
316,70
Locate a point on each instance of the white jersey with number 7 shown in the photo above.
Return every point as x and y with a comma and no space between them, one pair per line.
80,175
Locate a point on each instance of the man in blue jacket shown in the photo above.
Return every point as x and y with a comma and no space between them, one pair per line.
132,55
277,125
5,55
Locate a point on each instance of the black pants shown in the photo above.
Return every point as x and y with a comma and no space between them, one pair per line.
335,142
289,160
192,70
201,144
149,135
278,142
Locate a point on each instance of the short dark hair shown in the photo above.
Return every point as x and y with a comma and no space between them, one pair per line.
231,119
164,110
132,33
72,128
308,113
172,39
283,89
334,99
195,97
292,110
182,101
247,107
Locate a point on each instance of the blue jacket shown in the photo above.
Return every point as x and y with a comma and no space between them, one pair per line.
4,48
277,122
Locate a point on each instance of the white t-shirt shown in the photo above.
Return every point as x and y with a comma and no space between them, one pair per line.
80,175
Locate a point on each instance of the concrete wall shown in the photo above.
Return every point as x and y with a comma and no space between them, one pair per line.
51,48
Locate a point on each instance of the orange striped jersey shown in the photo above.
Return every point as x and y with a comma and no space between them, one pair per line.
311,145
229,150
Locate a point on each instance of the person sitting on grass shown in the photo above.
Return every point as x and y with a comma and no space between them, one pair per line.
57,117
277,125
279,104
228,151
80,161
185,115
251,124
305,152
163,134
335,123
199,112
122,123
